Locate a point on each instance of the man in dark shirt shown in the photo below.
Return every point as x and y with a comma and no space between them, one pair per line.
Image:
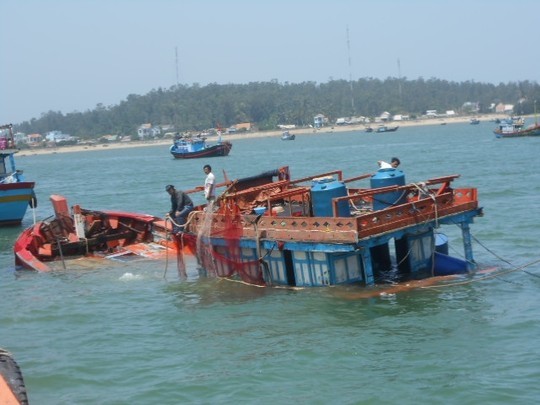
181,206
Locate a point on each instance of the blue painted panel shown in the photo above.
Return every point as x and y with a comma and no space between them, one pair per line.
346,268
276,264
311,269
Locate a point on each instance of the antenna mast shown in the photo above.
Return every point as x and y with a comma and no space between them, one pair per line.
399,78
176,58
350,69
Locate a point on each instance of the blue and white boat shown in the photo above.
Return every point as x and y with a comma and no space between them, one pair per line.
16,194
187,147
515,127
384,128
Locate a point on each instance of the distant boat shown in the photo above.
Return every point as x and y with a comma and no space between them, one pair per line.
287,136
369,129
474,121
384,128
514,127
187,147
16,195
510,130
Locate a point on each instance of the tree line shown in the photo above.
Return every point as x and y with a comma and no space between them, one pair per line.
269,104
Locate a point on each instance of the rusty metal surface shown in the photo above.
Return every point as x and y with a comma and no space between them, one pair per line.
342,229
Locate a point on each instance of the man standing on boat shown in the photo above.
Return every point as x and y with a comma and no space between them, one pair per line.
209,184
181,206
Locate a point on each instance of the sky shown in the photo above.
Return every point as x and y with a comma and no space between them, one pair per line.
73,55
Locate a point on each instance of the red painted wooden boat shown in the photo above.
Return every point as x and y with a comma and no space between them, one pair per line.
86,233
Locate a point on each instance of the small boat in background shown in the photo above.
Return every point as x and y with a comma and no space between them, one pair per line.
287,136
474,121
189,147
369,129
384,128
515,127
16,194
93,235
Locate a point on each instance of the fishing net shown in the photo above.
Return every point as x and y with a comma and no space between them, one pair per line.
220,229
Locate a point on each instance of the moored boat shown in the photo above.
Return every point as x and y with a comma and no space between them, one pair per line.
320,231
513,128
16,194
474,121
287,136
188,147
384,128
83,233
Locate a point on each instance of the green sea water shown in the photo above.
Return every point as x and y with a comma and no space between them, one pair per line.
134,333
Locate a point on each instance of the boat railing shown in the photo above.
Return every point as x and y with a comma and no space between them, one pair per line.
309,178
256,189
9,178
420,189
302,195
361,177
349,229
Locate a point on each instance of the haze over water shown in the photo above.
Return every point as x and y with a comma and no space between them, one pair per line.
134,333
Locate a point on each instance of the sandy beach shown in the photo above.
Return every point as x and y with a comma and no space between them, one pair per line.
484,119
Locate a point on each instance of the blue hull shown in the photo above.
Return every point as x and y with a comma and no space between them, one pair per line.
221,149
15,198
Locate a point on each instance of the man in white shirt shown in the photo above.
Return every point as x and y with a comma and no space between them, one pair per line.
394,163
209,184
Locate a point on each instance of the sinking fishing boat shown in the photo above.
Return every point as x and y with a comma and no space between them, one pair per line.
82,233
188,147
320,230
16,194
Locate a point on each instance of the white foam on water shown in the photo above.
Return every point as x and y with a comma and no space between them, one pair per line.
130,276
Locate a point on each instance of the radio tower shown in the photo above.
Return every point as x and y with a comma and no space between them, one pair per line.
350,71
399,78
176,59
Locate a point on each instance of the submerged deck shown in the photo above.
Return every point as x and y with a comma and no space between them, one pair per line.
285,232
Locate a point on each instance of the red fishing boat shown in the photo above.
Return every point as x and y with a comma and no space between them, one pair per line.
83,233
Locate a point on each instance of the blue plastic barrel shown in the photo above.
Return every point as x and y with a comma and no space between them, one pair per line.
385,178
325,189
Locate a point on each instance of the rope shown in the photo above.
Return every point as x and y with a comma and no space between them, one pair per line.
167,219
494,275
486,277
426,191
188,220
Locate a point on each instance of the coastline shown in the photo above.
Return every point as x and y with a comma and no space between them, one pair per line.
486,118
